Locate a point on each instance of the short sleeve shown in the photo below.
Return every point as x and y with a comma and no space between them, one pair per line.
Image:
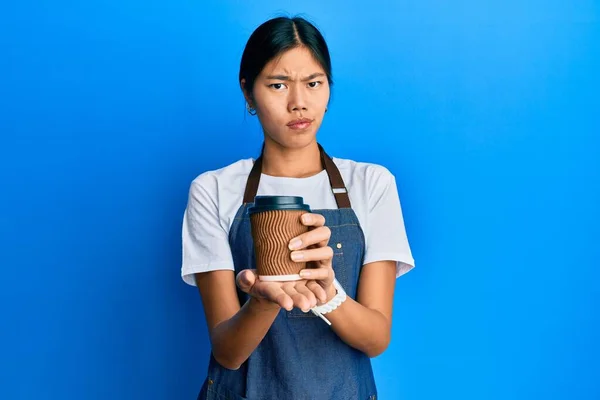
205,244
385,234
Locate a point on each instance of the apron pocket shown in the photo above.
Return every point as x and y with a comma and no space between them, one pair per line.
215,391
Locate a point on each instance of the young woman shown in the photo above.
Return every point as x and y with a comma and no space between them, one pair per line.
266,344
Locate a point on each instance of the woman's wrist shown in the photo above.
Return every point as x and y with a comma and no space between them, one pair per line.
331,291
335,297
258,304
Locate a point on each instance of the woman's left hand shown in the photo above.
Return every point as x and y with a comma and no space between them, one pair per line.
313,247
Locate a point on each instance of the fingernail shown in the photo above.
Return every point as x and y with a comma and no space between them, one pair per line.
295,244
306,218
305,274
297,256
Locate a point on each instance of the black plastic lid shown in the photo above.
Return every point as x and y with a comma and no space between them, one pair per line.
270,203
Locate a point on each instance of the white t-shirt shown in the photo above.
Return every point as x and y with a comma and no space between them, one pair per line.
215,197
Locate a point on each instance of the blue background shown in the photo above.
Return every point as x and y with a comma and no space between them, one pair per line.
486,112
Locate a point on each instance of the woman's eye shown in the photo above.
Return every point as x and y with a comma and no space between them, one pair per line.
314,84
277,86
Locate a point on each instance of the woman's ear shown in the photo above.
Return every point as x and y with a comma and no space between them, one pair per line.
246,94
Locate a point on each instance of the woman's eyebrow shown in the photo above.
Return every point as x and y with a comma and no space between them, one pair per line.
287,78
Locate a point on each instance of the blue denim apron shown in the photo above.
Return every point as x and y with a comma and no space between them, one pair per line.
300,357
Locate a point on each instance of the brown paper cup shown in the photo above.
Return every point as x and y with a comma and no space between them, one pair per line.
272,231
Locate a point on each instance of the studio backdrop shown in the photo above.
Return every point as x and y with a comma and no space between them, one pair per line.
487,113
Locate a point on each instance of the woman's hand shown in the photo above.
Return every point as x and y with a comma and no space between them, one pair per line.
280,294
313,247
316,287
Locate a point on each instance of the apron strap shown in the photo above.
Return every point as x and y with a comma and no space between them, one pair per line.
335,180
253,180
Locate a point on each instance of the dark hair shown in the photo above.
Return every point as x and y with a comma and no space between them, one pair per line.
276,36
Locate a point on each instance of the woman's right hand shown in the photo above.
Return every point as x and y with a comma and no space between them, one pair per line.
284,294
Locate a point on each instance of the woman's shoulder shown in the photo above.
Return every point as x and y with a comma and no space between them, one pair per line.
362,170
210,179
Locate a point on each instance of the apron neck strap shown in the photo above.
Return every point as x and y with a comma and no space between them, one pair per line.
335,180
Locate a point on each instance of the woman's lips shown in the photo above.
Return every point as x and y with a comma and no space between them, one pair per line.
300,124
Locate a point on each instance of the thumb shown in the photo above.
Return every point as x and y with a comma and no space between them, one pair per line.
245,280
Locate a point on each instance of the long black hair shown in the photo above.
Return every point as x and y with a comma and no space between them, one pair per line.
276,36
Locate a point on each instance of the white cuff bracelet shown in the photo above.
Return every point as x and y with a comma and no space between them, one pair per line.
332,304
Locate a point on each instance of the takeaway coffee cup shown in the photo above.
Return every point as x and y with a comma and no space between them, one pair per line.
275,220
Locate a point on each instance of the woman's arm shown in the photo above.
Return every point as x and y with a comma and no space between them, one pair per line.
236,332
365,323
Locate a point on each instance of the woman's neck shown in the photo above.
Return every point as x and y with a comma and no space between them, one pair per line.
291,163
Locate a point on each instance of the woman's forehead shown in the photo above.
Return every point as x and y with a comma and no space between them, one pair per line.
298,61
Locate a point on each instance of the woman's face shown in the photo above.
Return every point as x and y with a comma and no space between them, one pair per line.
290,96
